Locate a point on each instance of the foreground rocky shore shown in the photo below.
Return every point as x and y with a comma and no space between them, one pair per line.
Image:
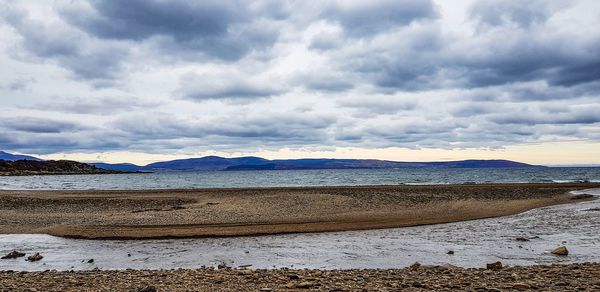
573,277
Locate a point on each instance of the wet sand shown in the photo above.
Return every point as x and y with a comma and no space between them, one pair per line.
573,277
258,211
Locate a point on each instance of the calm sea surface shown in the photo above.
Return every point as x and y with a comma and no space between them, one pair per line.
276,178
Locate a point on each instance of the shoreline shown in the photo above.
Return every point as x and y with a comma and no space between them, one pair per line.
583,276
146,214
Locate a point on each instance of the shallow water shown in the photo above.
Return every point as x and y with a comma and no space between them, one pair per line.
475,243
275,178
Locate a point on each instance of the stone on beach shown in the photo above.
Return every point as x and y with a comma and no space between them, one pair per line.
494,266
13,255
563,251
35,257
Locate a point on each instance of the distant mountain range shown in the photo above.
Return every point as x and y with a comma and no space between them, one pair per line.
215,163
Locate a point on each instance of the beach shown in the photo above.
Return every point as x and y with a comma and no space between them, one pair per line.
573,277
144,214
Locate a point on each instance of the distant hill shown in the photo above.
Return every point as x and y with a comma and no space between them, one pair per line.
12,157
215,163
126,167
205,163
33,167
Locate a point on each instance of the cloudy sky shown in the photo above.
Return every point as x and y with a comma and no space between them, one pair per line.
411,80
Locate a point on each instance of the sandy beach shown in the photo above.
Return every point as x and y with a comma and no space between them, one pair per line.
256,211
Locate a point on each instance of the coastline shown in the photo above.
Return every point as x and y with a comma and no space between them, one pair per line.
572,277
145,214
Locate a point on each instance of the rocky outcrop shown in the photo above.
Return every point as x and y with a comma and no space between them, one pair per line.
13,255
31,167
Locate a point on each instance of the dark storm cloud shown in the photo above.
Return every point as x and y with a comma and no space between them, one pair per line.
223,29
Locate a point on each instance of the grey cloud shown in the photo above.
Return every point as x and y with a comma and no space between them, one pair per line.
97,62
379,105
38,125
324,81
512,77
226,30
325,41
199,88
19,84
574,115
576,74
366,18
93,105
502,12
277,127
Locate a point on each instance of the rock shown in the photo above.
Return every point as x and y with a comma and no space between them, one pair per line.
520,286
593,210
494,266
266,289
447,266
563,251
522,239
450,252
415,265
294,277
147,289
221,265
246,272
13,255
305,284
90,261
35,257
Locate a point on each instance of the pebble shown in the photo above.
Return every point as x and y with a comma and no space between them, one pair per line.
431,278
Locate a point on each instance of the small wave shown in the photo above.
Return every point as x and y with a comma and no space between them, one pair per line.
564,181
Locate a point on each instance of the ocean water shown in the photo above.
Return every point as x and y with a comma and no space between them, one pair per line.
474,243
280,178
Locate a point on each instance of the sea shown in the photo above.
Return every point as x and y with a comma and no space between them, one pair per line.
474,243
300,178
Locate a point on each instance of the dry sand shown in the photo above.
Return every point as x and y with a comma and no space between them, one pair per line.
254,211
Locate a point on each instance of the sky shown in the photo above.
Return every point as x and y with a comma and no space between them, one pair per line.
409,80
